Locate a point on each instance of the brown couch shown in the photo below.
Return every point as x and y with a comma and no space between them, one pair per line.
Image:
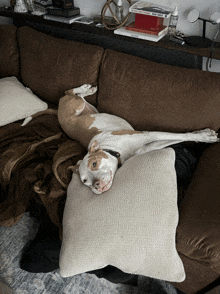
150,96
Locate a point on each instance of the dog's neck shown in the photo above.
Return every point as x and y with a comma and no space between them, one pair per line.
115,154
107,141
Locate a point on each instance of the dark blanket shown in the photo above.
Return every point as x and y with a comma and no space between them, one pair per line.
34,165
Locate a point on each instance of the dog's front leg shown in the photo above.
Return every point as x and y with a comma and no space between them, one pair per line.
156,146
133,142
206,136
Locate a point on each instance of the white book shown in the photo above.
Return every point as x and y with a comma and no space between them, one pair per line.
64,19
133,34
147,8
85,20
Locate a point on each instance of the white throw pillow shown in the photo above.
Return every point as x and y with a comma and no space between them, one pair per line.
132,226
16,102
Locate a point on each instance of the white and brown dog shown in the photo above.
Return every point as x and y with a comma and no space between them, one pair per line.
110,140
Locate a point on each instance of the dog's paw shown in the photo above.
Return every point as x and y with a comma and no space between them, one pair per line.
206,136
82,89
91,91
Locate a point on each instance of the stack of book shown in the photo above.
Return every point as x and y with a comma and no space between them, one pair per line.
149,22
68,15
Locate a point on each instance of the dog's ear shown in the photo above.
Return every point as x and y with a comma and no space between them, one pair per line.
75,168
94,147
79,162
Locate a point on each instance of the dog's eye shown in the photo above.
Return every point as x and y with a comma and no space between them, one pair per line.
94,164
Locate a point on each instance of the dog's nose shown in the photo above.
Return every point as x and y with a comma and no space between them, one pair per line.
96,184
84,181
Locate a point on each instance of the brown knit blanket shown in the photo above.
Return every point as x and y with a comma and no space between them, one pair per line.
34,163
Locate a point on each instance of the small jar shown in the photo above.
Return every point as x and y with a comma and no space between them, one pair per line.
173,22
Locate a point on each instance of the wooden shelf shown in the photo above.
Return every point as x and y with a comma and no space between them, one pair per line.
163,51
165,43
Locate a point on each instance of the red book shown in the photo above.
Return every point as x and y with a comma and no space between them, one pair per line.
148,22
158,31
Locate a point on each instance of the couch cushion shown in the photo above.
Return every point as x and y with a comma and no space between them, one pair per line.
198,276
9,56
132,226
198,233
153,96
49,66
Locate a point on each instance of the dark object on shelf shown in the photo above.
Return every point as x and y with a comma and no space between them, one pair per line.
63,12
198,41
177,40
64,4
12,3
98,19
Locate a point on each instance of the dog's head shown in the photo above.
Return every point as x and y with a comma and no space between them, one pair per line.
97,169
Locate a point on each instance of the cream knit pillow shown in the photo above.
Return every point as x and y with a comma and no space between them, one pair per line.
132,226
16,102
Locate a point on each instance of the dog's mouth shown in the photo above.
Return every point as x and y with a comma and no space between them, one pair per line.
108,185
103,187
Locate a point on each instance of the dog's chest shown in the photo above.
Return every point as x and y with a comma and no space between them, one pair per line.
84,128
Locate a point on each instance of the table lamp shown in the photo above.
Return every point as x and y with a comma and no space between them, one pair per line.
201,41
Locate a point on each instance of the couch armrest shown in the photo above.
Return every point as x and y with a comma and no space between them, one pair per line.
198,232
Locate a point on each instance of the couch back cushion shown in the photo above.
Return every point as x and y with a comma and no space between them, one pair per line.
50,66
153,96
9,55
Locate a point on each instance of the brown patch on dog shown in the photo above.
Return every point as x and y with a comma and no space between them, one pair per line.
71,103
70,92
74,125
95,156
125,132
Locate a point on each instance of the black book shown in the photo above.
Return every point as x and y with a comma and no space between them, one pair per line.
63,12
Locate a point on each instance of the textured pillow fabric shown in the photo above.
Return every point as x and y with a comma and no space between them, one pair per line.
132,226
16,102
158,97
50,66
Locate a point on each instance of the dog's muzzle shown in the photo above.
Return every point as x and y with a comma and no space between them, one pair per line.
100,186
